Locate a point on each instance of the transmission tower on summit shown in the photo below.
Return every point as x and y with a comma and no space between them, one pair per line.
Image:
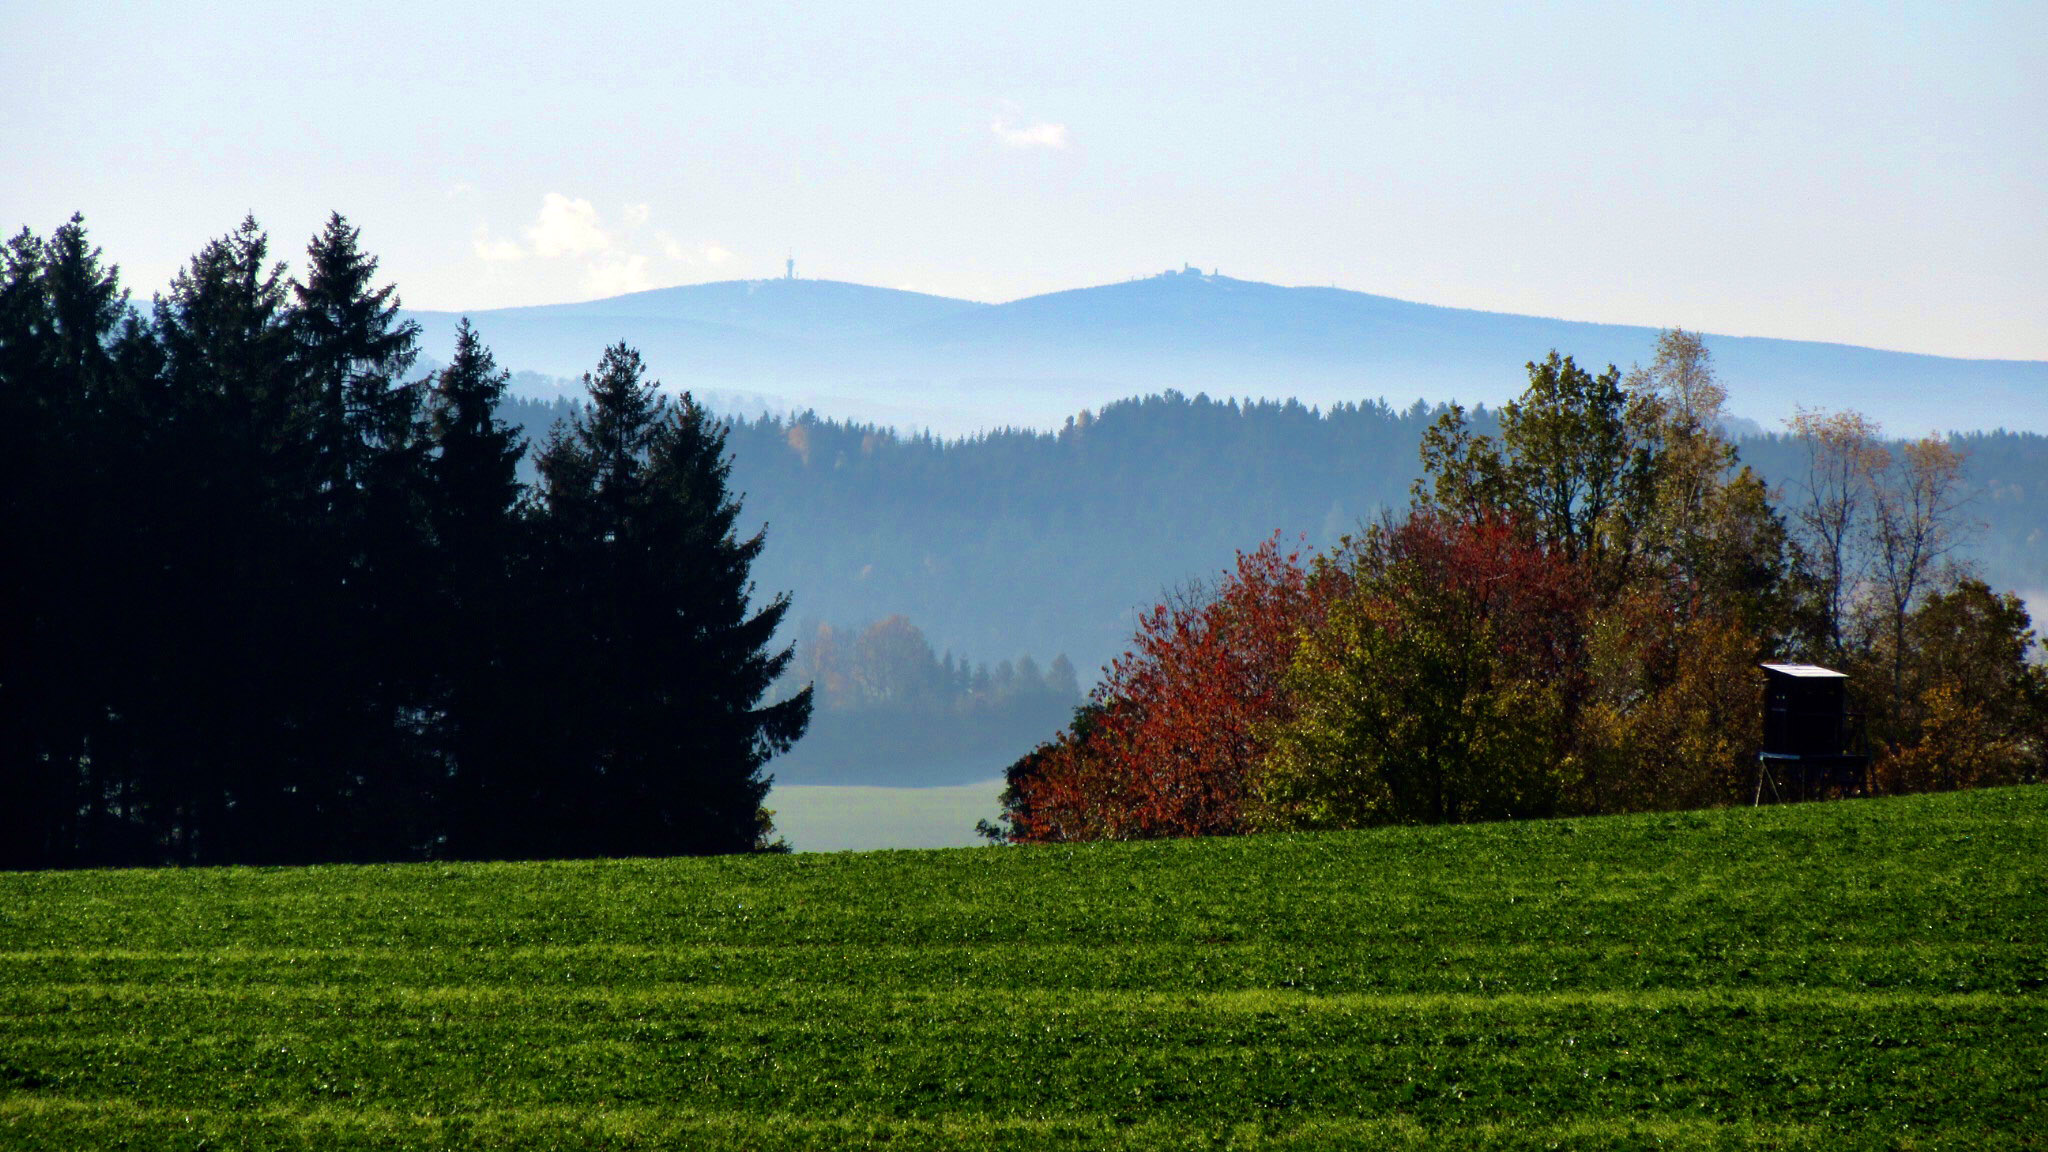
789,268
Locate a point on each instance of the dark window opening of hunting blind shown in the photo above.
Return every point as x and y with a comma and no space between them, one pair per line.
1807,735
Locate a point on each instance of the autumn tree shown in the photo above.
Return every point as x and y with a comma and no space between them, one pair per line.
1690,575
1672,715
1432,691
1975,696
1560,469
892,665
1879,525
1567,620
1915,524
1674,413
1568,453
1180,722
1832,508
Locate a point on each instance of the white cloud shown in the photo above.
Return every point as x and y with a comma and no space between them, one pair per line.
615,254
494,251
616,275
1038,135
566,227
682,253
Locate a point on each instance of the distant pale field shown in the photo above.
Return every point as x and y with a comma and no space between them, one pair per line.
859,818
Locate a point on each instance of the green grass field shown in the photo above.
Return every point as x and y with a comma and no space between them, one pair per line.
1863,974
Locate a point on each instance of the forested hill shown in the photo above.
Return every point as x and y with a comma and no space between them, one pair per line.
1017,541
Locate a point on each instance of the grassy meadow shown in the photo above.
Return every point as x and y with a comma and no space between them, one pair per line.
1865,974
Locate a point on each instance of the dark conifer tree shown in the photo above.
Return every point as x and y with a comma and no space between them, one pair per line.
104,460
34,793
357,352
474,509
369,668
664,661
69,442
708,722
239,570
476,455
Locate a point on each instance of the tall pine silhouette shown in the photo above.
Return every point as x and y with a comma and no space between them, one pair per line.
64,474
371,605
241,575
666,732
485,679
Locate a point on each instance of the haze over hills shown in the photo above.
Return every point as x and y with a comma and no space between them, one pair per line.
955,367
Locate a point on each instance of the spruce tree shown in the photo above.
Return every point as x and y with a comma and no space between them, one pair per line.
473,505
711,724
99,550
369,614
36,792
260,608
239,574
69,448
667,735
356,352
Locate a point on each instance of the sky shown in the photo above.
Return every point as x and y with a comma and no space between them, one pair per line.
1860,173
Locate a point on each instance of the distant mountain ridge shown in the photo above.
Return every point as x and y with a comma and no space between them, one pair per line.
914,360
797,309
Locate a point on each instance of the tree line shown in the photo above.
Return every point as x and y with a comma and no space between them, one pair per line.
271,597
891,664
890,710
1567,618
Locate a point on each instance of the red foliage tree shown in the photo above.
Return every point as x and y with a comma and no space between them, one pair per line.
1530,597
1437,690
1170,738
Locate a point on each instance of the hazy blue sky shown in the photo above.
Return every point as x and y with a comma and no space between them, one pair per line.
1872,174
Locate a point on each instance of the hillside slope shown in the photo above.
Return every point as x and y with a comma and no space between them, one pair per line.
1859,975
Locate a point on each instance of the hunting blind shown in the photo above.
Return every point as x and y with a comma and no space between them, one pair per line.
1808,731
